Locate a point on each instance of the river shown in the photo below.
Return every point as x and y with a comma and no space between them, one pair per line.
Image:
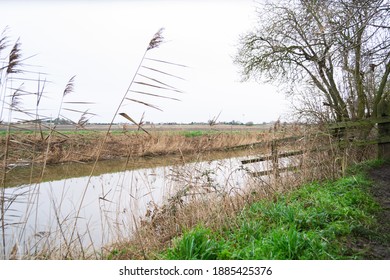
70,208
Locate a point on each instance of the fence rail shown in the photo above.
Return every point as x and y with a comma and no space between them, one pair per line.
342,142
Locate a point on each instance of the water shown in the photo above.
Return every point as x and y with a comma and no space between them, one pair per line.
92,211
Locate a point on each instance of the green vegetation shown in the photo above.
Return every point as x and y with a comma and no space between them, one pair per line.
194,133
316,221
197,244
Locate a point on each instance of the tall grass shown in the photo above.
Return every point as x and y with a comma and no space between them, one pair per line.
41,145
154,43
14,88
11,66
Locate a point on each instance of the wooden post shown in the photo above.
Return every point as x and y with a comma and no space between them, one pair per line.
383,130
275,159
384,148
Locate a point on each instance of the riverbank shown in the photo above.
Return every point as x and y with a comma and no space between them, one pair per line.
342,219
26,147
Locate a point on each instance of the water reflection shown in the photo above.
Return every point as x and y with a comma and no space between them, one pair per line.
90,212
21,175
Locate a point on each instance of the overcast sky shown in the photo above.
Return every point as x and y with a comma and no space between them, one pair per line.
102,43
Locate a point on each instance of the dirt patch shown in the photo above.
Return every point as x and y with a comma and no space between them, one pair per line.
379,246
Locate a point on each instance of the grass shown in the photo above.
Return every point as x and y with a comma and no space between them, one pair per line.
194,133
196,245
316,221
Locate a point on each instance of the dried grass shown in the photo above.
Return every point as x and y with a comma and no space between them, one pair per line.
83,147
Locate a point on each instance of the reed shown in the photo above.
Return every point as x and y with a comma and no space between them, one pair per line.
16,79
11,67
49,145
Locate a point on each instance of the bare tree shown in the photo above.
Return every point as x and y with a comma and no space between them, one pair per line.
339,49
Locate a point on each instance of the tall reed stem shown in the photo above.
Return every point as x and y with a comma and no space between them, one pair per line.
156,40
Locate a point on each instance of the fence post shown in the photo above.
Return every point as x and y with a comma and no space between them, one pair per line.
275,159
383,130
383,148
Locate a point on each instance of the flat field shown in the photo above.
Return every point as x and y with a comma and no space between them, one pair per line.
148,127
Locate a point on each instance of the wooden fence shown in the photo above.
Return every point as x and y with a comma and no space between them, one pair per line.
343,134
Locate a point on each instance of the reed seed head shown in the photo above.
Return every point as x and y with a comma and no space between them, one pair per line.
15,98
3,43
156,40
14,59
83,120
69,87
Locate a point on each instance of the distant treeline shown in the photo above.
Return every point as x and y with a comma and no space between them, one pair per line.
64,121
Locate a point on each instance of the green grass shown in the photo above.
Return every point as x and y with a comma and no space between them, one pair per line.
195,245
317,221
194,133
363,167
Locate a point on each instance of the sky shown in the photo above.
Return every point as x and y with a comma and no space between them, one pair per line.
102,43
